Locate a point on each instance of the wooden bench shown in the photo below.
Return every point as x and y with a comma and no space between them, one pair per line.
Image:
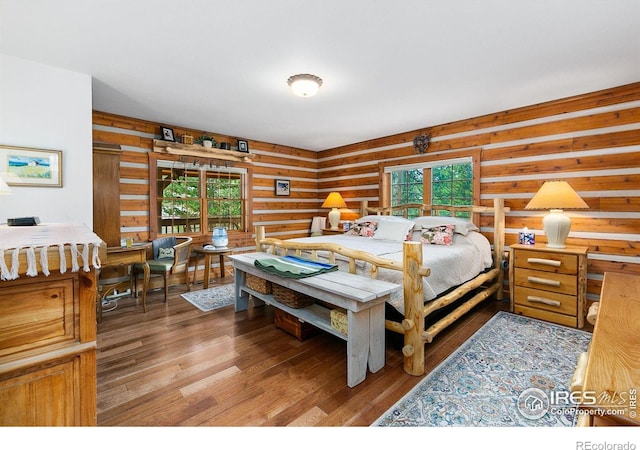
362,297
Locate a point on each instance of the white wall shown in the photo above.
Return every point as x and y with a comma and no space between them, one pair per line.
45,107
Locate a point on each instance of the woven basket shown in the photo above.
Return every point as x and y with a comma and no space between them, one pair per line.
258,284
291,298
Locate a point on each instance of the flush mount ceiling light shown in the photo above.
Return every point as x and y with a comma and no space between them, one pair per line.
304,84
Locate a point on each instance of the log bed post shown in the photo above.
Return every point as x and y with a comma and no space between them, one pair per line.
260,235
498,242
413,323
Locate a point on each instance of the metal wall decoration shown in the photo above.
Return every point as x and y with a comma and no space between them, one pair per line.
421,142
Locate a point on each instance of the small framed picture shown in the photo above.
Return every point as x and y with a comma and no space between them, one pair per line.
21,166
167,134
243,146
283,187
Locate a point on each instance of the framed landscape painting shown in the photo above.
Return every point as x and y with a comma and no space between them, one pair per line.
20,166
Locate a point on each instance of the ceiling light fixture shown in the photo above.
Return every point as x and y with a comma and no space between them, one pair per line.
304,84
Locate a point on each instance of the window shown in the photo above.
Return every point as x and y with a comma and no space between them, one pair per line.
446,182
184,192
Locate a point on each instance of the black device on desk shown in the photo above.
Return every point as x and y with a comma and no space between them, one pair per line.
23,221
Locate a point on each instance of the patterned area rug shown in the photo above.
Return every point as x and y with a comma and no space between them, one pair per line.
213,298
501,376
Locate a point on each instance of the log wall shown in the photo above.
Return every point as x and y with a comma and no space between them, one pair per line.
591,140
289,216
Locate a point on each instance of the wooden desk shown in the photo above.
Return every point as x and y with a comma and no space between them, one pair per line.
612,370
200,250
127,256
362,297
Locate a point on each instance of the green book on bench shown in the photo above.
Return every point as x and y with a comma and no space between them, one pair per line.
294,267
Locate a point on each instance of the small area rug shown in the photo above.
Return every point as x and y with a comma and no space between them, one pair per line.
480,384
213,298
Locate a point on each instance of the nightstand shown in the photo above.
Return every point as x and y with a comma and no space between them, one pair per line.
326,231
548,283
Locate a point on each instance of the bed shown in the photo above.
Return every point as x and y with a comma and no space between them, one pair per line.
443,265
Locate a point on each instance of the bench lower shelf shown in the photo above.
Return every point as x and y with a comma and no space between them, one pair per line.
316,315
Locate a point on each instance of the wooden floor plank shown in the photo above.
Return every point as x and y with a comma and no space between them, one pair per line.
177,366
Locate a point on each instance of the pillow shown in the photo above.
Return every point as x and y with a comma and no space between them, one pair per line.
364,229
378,217
165,253
462,226
438,235
394,230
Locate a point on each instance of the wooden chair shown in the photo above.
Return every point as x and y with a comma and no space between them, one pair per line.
170,255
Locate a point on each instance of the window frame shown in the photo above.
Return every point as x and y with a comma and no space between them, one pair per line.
201,165
427,161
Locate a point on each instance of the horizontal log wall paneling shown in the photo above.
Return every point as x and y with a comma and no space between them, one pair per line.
590,140
289,216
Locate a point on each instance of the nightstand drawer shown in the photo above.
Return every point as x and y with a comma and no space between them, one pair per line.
542,314
547,261
553,282
551,301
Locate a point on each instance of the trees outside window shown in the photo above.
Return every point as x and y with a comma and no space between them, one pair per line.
438,183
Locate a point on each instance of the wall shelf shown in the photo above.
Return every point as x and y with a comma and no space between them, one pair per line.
175,148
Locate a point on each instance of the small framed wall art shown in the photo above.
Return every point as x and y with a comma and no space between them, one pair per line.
167,134
243,146
283,187
20,166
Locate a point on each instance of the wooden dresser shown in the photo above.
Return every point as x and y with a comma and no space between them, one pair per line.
48,339
608,375
549,284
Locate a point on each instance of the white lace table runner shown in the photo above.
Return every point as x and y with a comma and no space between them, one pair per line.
36,240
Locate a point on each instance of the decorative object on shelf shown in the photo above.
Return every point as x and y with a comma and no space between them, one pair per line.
304,84
21,166
187,139
556,196
334,201
167,134
243,146
206,141
220,238
526,237
283,187
225,146
212,155
421,142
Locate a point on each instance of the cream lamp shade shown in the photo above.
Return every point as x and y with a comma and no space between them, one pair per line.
556,196
4,187
334,201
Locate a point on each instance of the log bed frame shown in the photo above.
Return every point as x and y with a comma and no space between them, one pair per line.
412,327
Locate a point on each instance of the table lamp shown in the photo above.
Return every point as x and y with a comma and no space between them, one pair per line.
556,196
334,201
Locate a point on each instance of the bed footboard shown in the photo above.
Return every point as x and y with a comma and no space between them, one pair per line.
413,326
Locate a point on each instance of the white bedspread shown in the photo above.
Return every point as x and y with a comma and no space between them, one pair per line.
450,265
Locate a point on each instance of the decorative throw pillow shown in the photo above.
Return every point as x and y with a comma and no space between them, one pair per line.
438,235
364,229
394,230
462,226
165,253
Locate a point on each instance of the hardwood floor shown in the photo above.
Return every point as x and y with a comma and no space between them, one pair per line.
178,366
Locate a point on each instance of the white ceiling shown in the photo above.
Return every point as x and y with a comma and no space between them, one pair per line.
388,66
